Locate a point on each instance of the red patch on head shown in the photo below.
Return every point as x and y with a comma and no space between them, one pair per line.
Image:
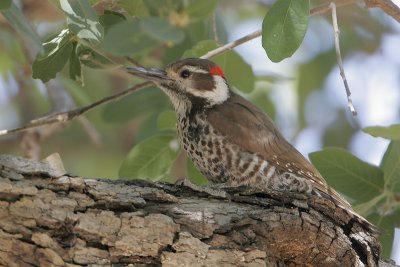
217,71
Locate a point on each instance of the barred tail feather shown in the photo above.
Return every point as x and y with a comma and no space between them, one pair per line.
345,206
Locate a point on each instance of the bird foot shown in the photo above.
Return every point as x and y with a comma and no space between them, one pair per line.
212,190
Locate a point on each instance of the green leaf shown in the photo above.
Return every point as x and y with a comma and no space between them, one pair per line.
76,90
391,166
200,49
237,71
199,9
24,28
148,127
53,45
197,32
90,58
134,8
284,28
348,174
75,70
145,101
261,98
47,68
161,30
55,3
110,18
162,9
391,132
386,223
222,29
340,132
166,120
311,77
82,19
175,52
367,208
194,175
151,159
5,4
57,52
126,38
12,55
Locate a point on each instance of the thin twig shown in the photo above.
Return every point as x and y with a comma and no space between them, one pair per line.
133,61
63,117
214,27
339,59
387,6
229,46
326,7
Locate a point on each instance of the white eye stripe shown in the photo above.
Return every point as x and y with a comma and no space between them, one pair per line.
194,69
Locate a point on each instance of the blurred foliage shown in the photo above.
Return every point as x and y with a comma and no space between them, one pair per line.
354,178
151,159
391,132
83,44
374,190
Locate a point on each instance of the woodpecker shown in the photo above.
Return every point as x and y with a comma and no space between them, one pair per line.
229,139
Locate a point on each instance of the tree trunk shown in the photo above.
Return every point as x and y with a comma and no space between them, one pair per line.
48,218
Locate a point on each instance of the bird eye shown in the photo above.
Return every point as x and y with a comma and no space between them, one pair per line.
185,74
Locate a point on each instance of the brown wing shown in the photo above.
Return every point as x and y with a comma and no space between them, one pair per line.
250,128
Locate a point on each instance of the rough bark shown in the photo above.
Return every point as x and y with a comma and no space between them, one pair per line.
48,218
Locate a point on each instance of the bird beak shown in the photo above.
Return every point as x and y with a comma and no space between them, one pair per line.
152,74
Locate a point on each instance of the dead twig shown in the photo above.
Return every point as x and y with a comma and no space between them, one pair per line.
62,117
339,59
214,28
231,45
387,6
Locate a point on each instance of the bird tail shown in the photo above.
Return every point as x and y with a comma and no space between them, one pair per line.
345,207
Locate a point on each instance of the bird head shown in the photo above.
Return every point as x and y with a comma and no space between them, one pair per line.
188,82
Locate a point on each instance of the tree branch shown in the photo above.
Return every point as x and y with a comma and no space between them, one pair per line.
48,218
387,6
231,45
63,117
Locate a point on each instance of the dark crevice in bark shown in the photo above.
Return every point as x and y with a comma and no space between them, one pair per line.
64,234
91,244
355,244
138,261
10,197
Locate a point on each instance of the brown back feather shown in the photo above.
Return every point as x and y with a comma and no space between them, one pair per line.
247,126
